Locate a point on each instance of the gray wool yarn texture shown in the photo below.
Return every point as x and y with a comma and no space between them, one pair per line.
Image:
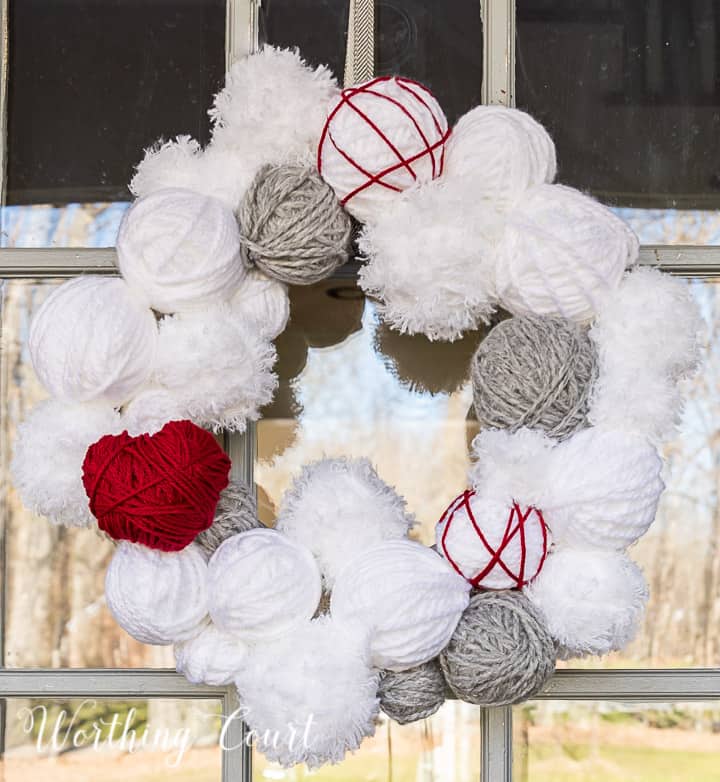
534,372
408,696
500,652
292,225
236,512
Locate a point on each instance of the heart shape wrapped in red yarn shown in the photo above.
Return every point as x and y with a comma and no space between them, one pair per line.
160,490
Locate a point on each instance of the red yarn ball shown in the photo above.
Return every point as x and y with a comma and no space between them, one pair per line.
160,490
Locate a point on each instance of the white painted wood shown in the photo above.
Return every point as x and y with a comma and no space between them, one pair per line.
498,52
496,744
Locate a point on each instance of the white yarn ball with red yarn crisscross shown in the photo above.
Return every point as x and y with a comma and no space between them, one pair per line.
380,138
493,544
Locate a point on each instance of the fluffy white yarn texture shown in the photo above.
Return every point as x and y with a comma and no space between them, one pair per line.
281,585
502,151
180,250
48,453
561,253
264,303
151,409
217,366
322,701
646,336
211,657
592,600
338,508
92,339
157,597
407,596
429,260
603,489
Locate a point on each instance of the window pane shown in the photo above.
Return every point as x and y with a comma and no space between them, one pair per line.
145,741
564,741
439,44
630,91
442,748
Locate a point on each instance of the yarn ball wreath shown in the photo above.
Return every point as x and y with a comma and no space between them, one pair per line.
160,490
414,694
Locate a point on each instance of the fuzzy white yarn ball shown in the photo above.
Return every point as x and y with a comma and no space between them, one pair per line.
561,254
180,250
407,596
604,489
429,261
211,657
322,701
150,410
494,544
504,151
217,366
592,600
394,130
264,303
48,453
91,339
157,597
338,508
281,585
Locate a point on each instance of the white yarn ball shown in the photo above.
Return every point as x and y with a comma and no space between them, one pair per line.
407,596
310,697
157,597
338,508
48,454
392,129
592,600
92,340
217,366
150,410
503,151
212,657
504,557
604,489
561,254
180,250
264,303
429,260
281,585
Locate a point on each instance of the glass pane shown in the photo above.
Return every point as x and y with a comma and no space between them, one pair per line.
442,748
630,91
439,44
563,741
85,740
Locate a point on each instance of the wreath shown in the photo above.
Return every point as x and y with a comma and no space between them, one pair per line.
336,612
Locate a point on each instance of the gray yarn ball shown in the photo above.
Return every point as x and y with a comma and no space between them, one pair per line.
408,696
534,372
236,512
500,653
293,226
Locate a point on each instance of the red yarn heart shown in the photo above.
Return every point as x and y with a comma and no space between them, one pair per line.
160,490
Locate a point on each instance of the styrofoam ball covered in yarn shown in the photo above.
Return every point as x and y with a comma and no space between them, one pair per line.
179,250
322,701
217,365
534,372
236,512
151,409
294,229
504,151
604,489
380,138
592,600
429,261
92,339
157,597
211,657
281,585
500,653
48,453
414,694
561,253
339,508
263,302
406,595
